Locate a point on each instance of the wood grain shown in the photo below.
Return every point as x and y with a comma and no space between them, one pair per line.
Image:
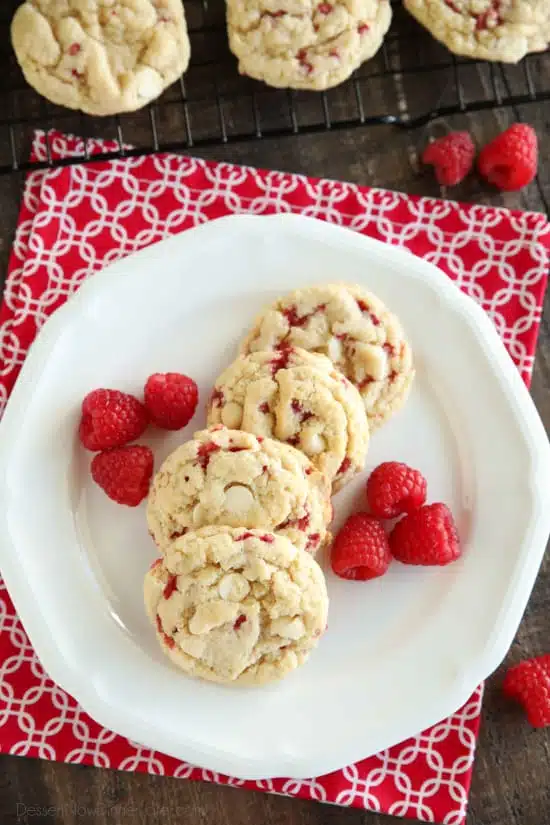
511,784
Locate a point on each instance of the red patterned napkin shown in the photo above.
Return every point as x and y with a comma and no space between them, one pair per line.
77,219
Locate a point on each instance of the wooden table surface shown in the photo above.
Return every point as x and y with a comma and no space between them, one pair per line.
511,784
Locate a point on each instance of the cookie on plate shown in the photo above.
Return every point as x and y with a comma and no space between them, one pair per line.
504,30
101,56
363,339
234,606
305,44
299,398
229,477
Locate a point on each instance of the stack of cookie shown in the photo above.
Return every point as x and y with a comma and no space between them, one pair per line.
239,511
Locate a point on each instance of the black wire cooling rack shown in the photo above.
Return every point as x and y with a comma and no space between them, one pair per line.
411,81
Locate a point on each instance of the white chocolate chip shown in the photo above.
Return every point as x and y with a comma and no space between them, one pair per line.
334,348
288,628
313,443
233,587
232,415
198,516
212,614
238,499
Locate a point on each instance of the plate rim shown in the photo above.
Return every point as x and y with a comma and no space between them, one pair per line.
66,675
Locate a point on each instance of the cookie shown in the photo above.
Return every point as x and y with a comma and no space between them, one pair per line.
101,56
299,398
233,478
363,339
236,607
305,44
504,30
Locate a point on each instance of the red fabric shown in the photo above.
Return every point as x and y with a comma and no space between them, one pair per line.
75,220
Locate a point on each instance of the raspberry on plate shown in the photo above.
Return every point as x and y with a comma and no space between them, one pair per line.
111,418
529,684
426,536
124,473
510,160
394,488
171,399
452,156
361,550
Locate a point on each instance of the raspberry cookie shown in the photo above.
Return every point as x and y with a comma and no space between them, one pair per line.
305,44
355,330
297,397
504,30
101,56
229,477
237,607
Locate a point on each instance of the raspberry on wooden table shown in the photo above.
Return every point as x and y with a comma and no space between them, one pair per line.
426,536
394,488
510,160
111,418
171,399
529,684
452,157
124,473
360,550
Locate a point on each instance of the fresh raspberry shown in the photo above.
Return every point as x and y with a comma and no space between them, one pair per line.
452,156
426,536
529,684
171,399
111,418
510,160
394,488
124,473
361,550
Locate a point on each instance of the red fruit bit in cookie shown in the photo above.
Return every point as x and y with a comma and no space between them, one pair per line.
452,157
298,410
529,684
237,449
74,49
155,564
360,550
264,408
280,359
217,398
362,28
279,13
170,587
244,536
205,451
313,542
168,641
111,419
298,523
344,466
324,8
124,473
304,62
267,538
392,376
334,53
309,471
490,18
394,488
159,625
510,160
239,621
177,534
291,312
294,440
389,348
171,399
427,536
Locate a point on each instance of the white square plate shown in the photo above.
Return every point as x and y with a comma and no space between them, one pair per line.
401,652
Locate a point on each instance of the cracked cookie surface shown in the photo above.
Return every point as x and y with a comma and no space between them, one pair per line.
297,397
504,30
101,56
229,477
235,606
352,327
304,44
